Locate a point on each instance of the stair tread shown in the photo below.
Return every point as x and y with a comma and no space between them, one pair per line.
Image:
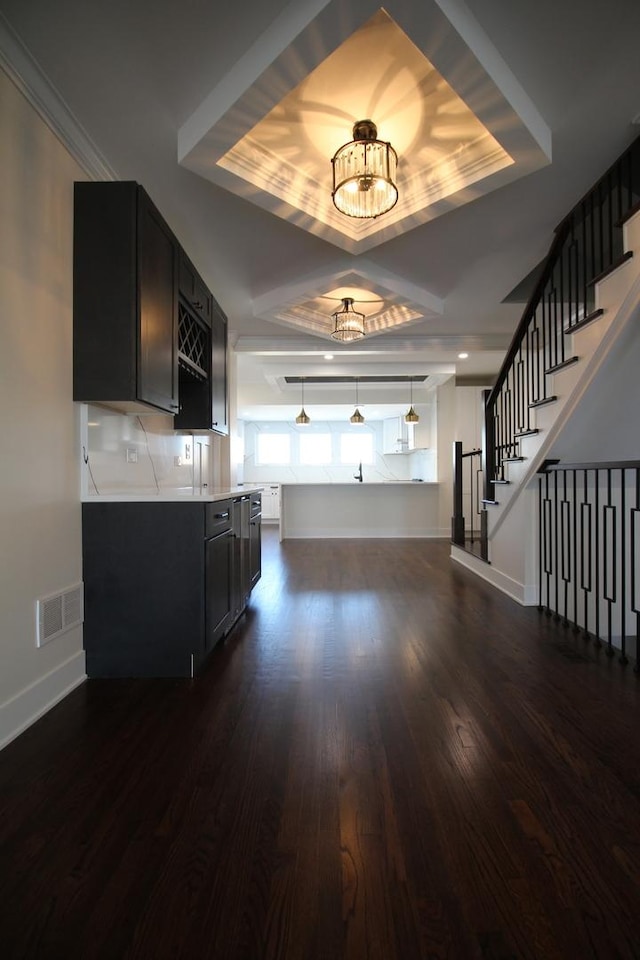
527,433
541,403
562,365
585,320
614,266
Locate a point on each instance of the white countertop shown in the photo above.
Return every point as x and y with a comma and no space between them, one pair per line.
220,493
356,483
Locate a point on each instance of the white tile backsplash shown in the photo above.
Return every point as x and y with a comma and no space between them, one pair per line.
419,464
130,454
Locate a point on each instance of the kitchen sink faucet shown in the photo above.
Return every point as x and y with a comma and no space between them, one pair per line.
358,475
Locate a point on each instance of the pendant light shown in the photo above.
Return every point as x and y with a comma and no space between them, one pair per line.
364,172
356,417
411,416
302,419
349,324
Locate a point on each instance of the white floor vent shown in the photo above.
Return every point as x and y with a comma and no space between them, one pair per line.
58,613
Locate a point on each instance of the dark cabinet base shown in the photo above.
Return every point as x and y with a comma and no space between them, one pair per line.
158,586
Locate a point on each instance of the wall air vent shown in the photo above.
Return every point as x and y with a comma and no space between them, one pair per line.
58,613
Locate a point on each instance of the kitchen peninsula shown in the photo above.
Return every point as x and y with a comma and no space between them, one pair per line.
350,509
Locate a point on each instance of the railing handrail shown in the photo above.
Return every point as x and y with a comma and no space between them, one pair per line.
586,246
532,302
601,465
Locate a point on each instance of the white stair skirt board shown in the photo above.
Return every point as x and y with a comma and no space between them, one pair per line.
524,594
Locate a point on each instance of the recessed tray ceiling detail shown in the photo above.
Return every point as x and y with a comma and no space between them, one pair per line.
270,137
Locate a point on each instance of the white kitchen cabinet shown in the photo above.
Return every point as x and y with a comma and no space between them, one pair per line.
396,435
271,501
420,434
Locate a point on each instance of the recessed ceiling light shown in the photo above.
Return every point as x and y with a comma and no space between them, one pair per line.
462,356
328,356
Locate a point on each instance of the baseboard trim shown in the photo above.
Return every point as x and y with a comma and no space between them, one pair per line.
18,713
524,594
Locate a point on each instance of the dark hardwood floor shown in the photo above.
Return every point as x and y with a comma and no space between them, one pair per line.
387,760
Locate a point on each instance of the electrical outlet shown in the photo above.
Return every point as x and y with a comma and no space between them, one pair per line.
131,455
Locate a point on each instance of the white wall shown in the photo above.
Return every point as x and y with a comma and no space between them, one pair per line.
40,547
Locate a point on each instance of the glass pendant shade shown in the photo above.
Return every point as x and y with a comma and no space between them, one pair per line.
348,323
303,418
364,174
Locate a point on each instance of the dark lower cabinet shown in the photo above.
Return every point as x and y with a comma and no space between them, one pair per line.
161,585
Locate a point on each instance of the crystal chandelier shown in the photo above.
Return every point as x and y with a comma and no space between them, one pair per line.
364,172
349,324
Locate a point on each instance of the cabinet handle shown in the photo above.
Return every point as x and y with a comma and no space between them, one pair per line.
221,516
196,304
175,406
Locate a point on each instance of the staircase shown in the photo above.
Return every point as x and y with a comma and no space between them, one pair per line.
587,294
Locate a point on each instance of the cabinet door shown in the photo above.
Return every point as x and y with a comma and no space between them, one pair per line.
255,550
395,435
194,290
219,419
217,587
157,292
124,299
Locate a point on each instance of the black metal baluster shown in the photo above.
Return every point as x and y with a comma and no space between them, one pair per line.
609,543
585,259
555,546
623,570
597,641
586,537
575,552
635,543
565,547
540,542
471,498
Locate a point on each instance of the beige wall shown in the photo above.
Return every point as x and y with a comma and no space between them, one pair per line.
40,545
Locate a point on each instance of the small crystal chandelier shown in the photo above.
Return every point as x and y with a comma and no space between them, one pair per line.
364,173
356,416
411,416
302,419
349,324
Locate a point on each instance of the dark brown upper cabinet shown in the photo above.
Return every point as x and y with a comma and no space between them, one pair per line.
125,293
202,355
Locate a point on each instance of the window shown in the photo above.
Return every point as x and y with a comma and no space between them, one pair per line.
315,449
356,447
273,448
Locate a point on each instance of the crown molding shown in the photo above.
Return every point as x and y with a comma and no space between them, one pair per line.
29,78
